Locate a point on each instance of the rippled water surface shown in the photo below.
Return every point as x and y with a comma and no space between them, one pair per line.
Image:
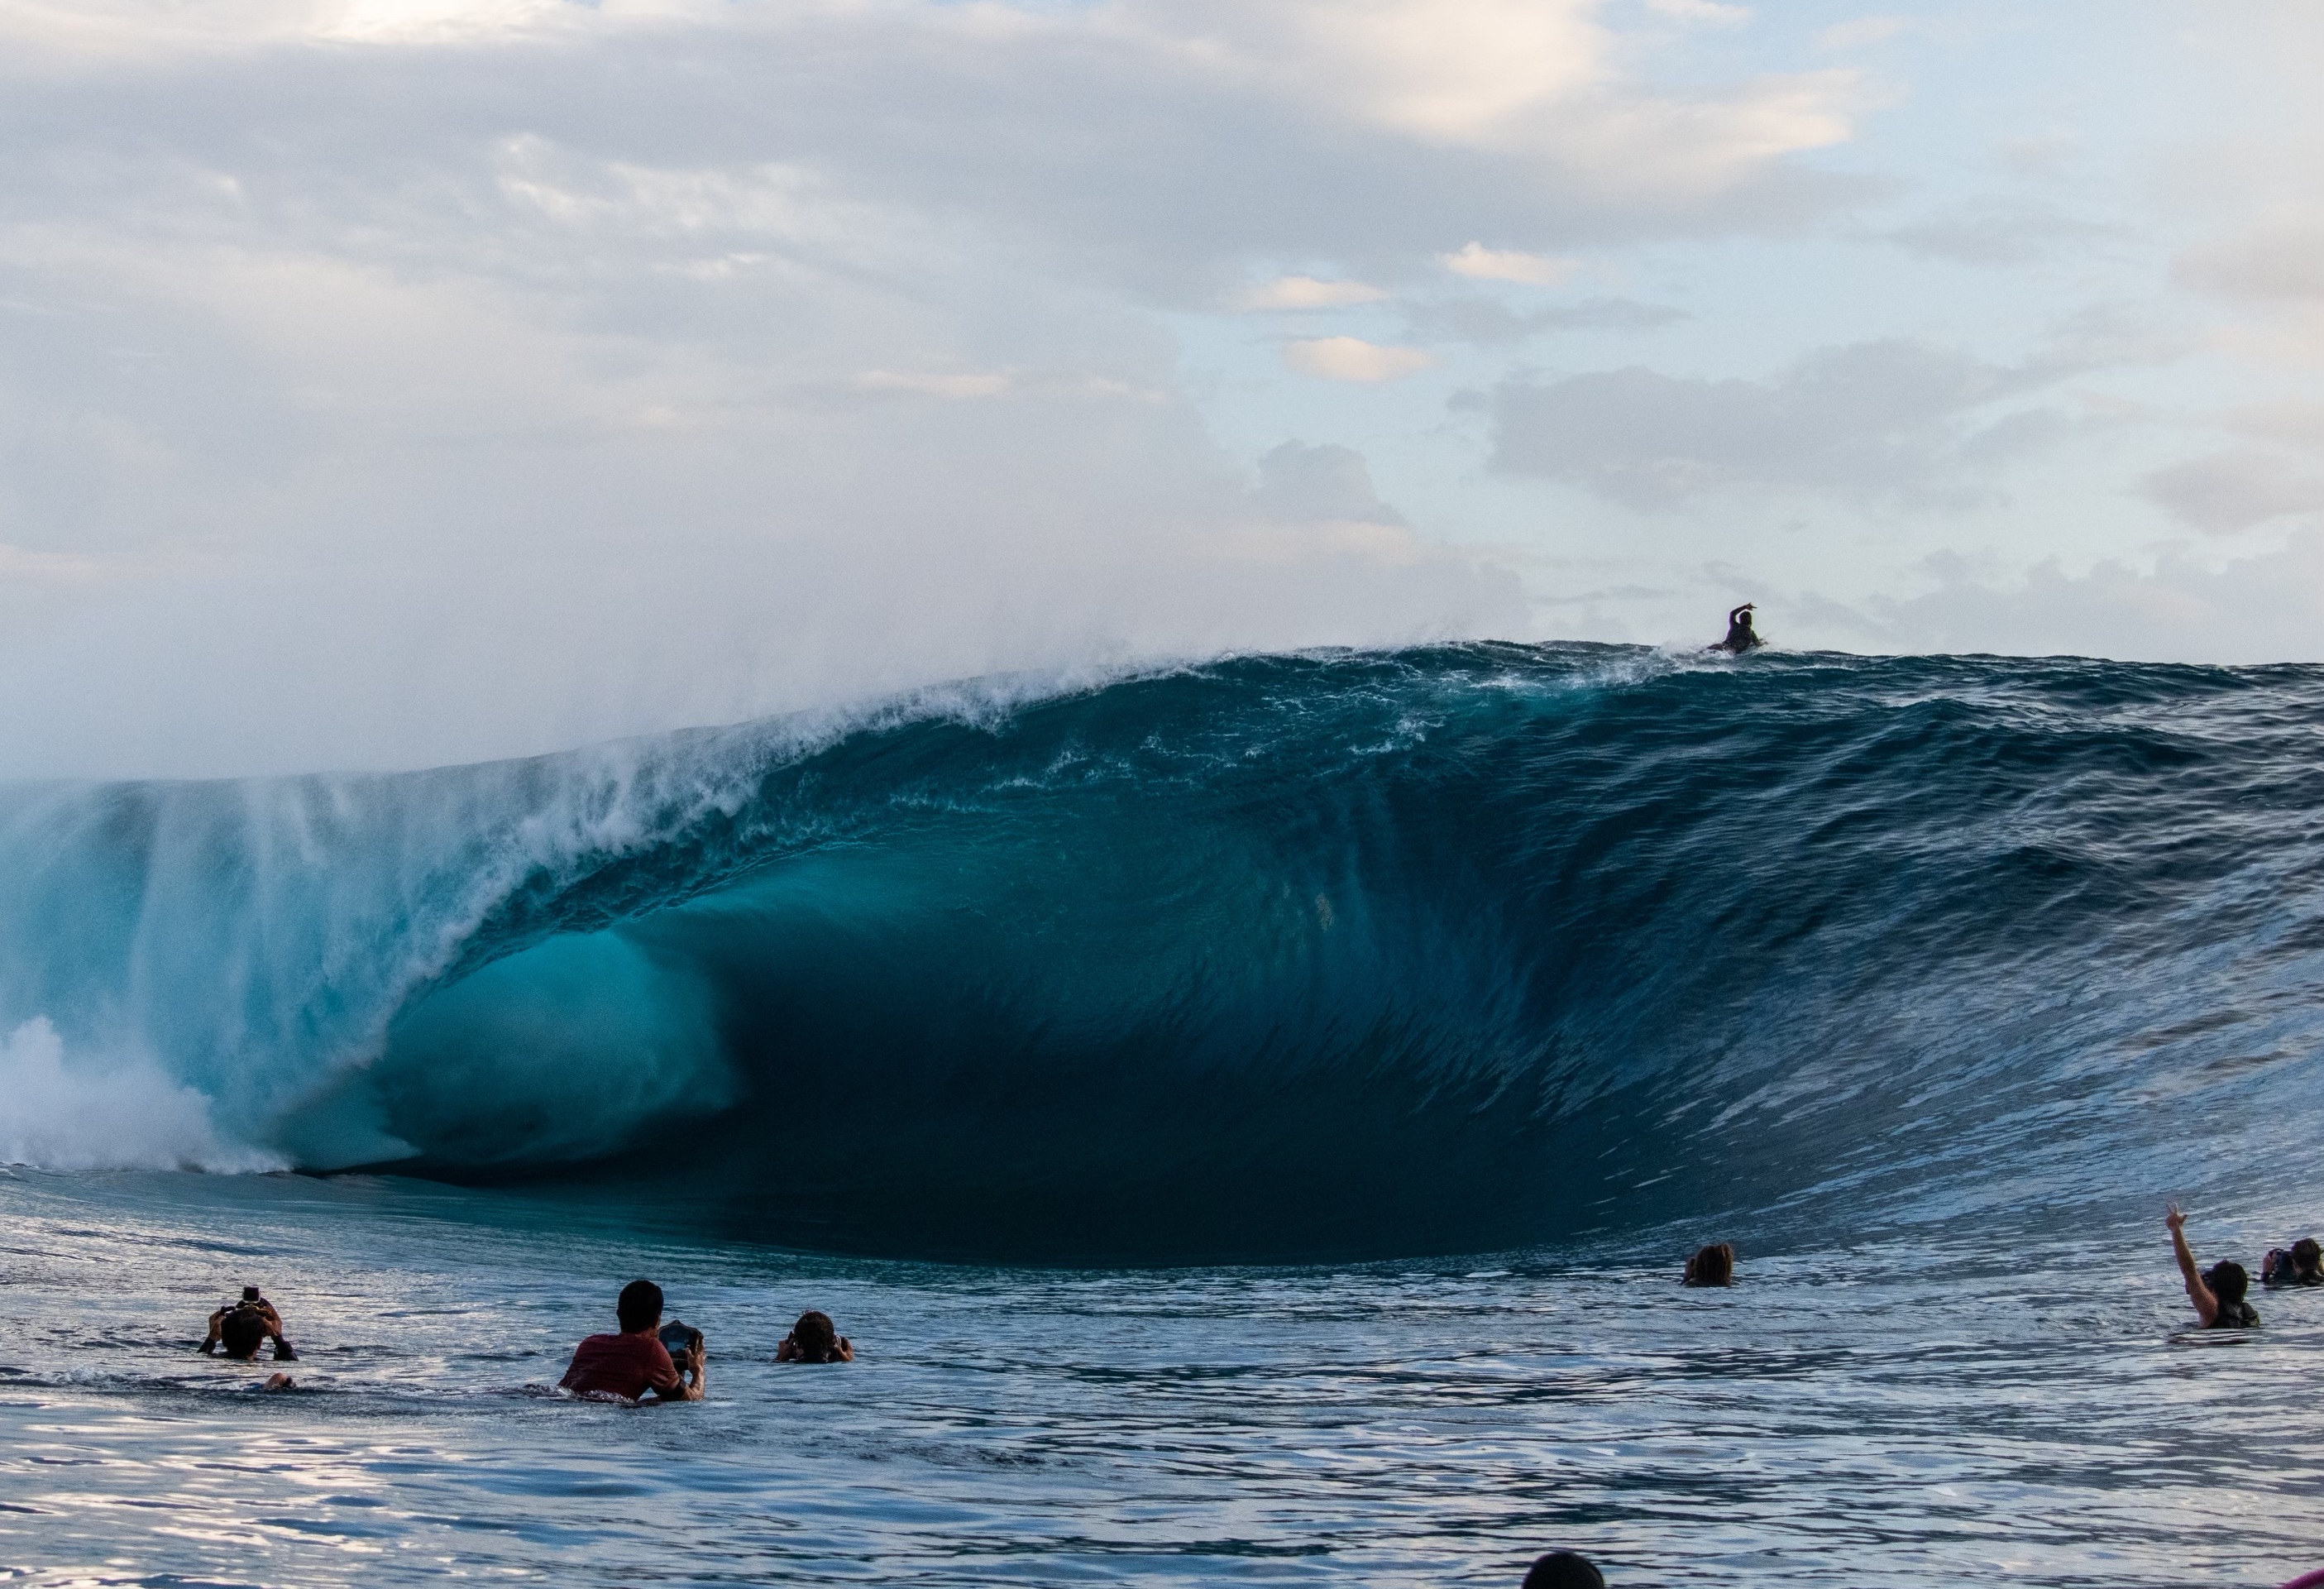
1906,1413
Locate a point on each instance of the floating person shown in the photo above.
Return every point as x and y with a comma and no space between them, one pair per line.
2217,1292
1564,1569
242,1328
1711,1266
634,1364
815,1339
1741,636
2299,1264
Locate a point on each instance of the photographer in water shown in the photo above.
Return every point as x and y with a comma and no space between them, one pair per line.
243,1326
815,1339
633,1364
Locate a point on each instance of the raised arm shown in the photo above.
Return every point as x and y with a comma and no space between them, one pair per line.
2207,1307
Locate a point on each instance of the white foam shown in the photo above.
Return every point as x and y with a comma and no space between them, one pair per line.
127,1115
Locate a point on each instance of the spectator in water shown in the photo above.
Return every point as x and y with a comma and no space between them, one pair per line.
2300,1264
2217,1292
815,1339
242,1328
634,1364
1564,1569
1711,1266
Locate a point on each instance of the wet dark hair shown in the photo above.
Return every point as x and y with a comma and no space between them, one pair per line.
817,1337
640,1308
243,1331
2306,1256
2228,1281
1564,1569
1711,1266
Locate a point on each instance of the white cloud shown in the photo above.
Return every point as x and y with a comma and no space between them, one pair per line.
2281,260
1862,31
2002,232
972,383
1300,480
1306,293
1701,10
431,21
1480,263
1350,359
1456,71
2255,609
2225,491
1889,418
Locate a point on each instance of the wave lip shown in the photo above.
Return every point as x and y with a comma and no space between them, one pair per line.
1451,949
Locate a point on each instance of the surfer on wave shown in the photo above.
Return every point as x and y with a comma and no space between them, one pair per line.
1741,636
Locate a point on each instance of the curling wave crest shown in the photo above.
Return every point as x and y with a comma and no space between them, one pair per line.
1442,949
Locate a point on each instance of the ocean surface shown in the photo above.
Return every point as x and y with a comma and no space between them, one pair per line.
1249,1117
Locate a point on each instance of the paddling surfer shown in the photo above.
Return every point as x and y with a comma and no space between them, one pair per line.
1741,636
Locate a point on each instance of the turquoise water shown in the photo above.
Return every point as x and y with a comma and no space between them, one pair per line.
1251,1117
1902,1412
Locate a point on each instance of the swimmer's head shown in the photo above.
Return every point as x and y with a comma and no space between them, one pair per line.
242,1333
2228,1281
1711,1266
2306,1256
640,1308
817,1337
1564,1569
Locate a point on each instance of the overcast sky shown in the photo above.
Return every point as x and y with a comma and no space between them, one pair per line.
387,382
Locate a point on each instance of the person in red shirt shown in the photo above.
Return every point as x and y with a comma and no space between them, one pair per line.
631,1364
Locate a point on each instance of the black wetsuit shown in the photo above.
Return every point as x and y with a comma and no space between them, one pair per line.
1740,637
2282,1271
2234,1316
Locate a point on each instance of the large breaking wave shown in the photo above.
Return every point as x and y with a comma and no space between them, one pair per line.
1442,949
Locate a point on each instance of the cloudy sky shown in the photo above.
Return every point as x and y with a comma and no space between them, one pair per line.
386,382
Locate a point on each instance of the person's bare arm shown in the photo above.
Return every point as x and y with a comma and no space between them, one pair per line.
210,1341
284,1351
2207,1307
846,1350
687,1388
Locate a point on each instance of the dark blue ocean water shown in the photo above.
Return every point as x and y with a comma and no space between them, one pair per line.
1249,1116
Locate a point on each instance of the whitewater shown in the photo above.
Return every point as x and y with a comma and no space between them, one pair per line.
1250,1116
